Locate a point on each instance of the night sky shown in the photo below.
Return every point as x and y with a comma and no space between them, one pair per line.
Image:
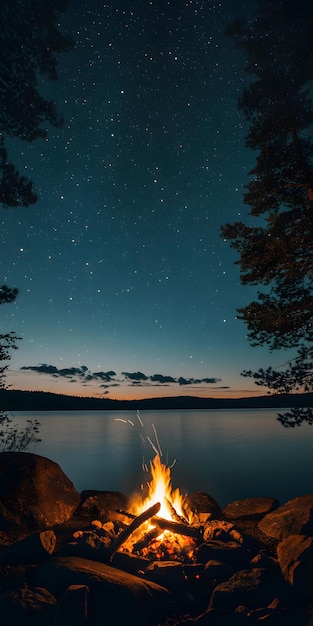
126,288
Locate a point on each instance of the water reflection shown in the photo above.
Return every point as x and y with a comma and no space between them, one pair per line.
229,454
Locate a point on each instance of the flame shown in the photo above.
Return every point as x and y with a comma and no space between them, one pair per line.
160,490
167,544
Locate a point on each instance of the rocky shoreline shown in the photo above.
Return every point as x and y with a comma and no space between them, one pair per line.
252,562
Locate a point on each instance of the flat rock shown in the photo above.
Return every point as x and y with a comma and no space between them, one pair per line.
295,557
252,508
114,594
295,517
34,492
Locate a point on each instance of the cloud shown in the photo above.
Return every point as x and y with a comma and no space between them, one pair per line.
85,376
41,369
73,373
159,378
105,376
135,376
197,381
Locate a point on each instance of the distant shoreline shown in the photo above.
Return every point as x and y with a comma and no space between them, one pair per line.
15,400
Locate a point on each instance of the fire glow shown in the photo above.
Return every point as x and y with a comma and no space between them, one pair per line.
160,490
161,527
166,533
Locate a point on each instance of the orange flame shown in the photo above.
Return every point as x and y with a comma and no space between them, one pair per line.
160,490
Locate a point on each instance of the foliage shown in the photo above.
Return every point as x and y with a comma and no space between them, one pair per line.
278,253
7,342
13,438
29,40
7,294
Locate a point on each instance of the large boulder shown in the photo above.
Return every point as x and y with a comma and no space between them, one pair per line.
252,508
34,492
295,517
295,557
115,596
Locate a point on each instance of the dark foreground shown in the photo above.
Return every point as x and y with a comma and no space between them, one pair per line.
63,558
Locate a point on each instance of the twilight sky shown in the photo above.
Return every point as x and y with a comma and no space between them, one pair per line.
126,288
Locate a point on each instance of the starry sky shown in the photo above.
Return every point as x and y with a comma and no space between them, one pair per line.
126,288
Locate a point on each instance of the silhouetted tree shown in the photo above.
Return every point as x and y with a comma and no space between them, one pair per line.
29,40
278,253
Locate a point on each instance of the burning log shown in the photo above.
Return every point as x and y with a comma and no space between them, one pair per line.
179,529
146,539
140,519
177,518
126,513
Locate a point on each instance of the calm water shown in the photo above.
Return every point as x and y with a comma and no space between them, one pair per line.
229,454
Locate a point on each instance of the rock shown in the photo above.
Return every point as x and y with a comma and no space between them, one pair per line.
166,573
216,572
262,559
89,546
103,504
221,617
29,607
34,492
253,508
115,596
295,517
131,563
254,588
295,557
73,609
221,530
226,552
33,548
201,502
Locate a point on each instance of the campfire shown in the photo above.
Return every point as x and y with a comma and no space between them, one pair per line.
160,527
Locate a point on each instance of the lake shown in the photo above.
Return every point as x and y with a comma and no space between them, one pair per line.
230,454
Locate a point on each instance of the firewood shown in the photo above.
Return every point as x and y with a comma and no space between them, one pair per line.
147,538
177,518
126,513
140,519
175,527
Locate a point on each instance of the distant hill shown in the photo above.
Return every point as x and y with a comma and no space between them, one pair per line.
14,400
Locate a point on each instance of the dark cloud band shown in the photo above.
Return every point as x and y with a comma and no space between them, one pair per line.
108,379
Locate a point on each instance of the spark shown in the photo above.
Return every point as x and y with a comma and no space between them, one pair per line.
152,445
139,419
157,439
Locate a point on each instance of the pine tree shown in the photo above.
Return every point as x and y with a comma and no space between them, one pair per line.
278,253
29,40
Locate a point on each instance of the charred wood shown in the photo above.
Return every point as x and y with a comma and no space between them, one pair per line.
147,538
175,527
138,521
